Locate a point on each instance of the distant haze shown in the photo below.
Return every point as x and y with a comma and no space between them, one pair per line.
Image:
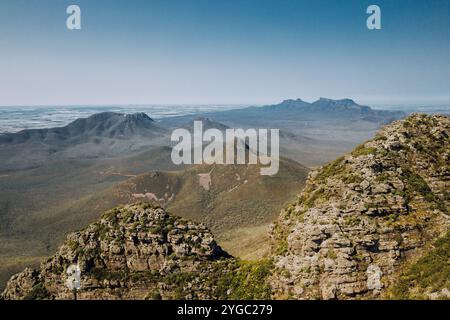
227,52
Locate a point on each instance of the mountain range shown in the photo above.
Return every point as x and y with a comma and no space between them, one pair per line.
99,136
372,224
108,134
54,181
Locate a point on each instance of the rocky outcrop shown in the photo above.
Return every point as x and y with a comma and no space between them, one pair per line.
362,217
133,252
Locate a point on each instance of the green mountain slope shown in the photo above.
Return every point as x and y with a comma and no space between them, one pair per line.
237,203
228,199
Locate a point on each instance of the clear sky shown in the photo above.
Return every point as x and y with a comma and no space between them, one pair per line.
227,52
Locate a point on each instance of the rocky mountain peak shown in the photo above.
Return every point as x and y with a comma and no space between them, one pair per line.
207,123
106,123
338,101
325,104
125,245
362,217
291,103
138,117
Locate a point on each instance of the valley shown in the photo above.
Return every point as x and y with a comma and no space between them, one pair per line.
55,181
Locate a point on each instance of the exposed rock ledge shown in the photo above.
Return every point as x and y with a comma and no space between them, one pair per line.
133,252
362,217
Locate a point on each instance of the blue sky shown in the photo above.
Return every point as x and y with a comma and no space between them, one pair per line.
228,52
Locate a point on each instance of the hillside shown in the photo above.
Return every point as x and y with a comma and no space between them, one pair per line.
367,216
230,200
238,207
35,203
107,124
427,277
48,188
141,252
310,133
101,135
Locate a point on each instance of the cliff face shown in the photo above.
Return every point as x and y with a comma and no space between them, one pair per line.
362,217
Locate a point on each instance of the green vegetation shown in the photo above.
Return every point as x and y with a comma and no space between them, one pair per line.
290,209
431,273
178,283
73,245
352,220
280,235
382,177
352,178
282,247
362,150
38,292
111,215
241,242
103,230
247,282
415,184
314,196
153,295
331,254
225,279
334,168
380,138
124,275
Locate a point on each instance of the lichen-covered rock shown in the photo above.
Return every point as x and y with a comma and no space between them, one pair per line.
132,252
362,216
21,285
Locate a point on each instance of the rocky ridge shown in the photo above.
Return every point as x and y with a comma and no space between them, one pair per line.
342,108
360,218
133,252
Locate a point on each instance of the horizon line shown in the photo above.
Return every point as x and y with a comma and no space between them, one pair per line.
393,103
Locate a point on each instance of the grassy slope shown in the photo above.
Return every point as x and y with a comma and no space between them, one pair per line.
430,274
238,212
39,206
238,206
248,243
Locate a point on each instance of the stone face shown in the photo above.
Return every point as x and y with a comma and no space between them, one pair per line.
360,218
136,240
